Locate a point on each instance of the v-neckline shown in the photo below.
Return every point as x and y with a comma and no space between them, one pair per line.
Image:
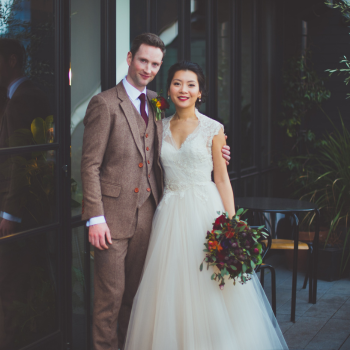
172,138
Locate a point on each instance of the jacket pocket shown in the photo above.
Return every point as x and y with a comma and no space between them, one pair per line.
110,190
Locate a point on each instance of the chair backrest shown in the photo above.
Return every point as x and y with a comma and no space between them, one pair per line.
265,242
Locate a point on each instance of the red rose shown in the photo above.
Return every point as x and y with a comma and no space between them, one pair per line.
219,221
241,223
256,251
163,103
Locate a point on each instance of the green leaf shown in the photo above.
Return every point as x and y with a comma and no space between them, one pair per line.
244,268
239,211
201,267
233,268
213,276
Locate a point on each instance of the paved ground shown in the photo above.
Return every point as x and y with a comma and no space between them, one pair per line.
323,326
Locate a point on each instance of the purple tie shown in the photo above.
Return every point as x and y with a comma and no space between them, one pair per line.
142,97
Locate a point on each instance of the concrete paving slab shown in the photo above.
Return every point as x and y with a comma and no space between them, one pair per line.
344,311
332,335
303,331
346,344
323,309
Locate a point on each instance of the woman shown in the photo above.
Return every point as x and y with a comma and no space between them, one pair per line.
177,307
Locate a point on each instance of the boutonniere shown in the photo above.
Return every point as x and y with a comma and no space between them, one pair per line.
160,104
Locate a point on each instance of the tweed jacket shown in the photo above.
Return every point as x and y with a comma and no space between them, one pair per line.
112,158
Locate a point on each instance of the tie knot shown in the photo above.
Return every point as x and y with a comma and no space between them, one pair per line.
142,97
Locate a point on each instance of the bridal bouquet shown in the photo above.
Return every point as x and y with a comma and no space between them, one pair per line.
232,248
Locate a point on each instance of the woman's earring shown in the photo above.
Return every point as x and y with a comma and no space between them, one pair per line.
168,97
199,99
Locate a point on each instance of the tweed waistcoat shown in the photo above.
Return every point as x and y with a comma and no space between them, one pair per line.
148,181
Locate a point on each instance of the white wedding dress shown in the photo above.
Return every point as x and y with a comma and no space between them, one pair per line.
177,307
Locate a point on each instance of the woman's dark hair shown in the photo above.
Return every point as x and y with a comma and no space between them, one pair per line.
195,68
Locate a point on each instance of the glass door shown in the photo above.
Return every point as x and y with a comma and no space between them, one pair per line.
33,174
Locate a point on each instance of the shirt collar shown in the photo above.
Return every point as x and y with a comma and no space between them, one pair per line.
14,85
132,92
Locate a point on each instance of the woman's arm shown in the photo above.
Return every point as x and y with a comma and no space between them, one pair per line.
221,177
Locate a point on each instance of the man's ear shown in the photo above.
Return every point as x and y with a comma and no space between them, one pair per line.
129,58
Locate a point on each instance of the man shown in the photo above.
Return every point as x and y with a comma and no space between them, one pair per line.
122,185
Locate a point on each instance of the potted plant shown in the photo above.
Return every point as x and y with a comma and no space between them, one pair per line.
326,182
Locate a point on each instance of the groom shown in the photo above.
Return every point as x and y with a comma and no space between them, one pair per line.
122,185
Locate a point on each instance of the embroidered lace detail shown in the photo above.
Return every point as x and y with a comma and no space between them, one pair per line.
190,166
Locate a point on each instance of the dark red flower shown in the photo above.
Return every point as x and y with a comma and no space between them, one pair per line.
220,220
256,251
221,256
163,103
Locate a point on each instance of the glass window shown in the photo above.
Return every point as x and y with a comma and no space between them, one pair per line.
246,135
224,71
85,80
26,73
198,37
27,191
167,29
28,290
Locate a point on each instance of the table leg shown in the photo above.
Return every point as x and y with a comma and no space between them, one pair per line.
315,253
295,265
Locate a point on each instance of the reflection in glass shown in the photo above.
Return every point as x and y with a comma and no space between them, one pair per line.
198,37
28,283
86,80
26,73
27,191
224,72
167,29
247,144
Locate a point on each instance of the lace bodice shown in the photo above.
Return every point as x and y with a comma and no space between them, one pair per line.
190,166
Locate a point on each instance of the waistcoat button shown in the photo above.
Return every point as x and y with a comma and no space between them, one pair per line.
148,162
146,135
136,190
147,149
148,190
140,165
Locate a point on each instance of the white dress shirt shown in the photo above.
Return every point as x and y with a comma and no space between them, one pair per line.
10,91
133,94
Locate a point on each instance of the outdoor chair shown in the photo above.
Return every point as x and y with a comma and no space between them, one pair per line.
266,244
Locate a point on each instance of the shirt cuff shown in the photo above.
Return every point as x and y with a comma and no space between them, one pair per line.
10,217
96,220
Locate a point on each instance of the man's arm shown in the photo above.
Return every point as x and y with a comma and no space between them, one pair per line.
96,135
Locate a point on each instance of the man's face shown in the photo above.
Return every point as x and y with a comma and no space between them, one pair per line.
144,66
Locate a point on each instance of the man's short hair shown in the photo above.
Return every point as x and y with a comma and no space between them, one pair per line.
148,39
10,47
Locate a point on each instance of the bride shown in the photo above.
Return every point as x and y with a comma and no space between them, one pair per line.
177,307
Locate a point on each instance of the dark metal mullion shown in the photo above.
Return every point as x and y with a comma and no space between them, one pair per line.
184,30
236,78
63,93
29,233
256,89
31,148
108,44
211,57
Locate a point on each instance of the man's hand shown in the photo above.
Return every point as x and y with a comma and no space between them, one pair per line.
98,234
226,152
7,227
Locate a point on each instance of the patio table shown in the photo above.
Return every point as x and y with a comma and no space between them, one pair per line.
290,207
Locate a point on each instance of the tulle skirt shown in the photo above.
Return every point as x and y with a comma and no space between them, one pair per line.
177,307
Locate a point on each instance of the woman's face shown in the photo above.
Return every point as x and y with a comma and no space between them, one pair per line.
184,89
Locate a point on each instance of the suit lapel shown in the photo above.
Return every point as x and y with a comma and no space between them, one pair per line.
130,114
158,123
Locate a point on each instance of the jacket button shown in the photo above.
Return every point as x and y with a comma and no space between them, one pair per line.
147,148
146,135
148,162
140,165
149,175
148,190
136,190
